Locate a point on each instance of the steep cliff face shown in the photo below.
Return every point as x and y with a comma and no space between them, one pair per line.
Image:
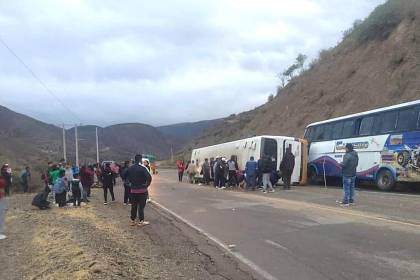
377,64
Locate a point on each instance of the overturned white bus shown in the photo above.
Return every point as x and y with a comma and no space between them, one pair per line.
273,146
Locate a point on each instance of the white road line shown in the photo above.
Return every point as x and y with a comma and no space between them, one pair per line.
225,247
275,244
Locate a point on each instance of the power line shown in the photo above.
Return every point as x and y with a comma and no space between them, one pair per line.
37,78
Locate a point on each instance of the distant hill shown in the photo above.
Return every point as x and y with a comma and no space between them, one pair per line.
187,131
27,141
377,64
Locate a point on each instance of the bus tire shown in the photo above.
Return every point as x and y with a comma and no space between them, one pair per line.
312,176
385,180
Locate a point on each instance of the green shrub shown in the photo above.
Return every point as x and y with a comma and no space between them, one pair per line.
380,24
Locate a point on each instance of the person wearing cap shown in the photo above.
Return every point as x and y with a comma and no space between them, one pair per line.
139,179
349,166
6,172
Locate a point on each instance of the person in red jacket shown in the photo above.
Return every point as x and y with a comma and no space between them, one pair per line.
2,206
181,168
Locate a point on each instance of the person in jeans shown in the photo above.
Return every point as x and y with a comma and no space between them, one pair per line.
139,179
2,205
349,166
251,173
266,169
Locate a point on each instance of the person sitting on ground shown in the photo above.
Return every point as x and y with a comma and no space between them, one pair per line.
139,179
76,190
40,199
60,189
251,173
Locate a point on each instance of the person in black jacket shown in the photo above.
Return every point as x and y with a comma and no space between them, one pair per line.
123,175
286,167
108,182
139,179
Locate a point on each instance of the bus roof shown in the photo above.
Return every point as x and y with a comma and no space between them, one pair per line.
250,138
367,112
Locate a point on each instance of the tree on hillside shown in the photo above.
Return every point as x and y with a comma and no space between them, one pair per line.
289,73
300,61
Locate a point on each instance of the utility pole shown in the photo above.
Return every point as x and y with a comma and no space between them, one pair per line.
97,146
77,145
64,143
172,154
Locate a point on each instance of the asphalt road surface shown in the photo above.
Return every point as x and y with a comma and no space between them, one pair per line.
302,233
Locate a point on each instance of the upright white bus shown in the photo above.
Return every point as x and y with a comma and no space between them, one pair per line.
386,139
273,146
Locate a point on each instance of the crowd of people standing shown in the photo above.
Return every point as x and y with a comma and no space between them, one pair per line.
261,173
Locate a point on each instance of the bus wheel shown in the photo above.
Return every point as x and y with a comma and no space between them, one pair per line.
385,180
312,176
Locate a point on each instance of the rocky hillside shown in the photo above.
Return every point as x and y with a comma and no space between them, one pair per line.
376,64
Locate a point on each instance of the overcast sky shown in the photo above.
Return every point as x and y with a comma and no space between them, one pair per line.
158,62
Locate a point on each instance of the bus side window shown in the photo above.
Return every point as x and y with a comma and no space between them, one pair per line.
418,118
388,122
308,134
337,130
348,129
366,126
328,131
318,133
407,119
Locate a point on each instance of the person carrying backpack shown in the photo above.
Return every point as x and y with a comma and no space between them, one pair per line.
60,189
139,180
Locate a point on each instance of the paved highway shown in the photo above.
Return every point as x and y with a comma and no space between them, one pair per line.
302,234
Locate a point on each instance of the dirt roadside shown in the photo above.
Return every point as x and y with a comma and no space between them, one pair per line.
97,242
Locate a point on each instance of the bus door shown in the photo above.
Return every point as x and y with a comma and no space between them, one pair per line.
269,148
297,152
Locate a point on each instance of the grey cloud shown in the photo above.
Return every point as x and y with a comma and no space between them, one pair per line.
159,62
